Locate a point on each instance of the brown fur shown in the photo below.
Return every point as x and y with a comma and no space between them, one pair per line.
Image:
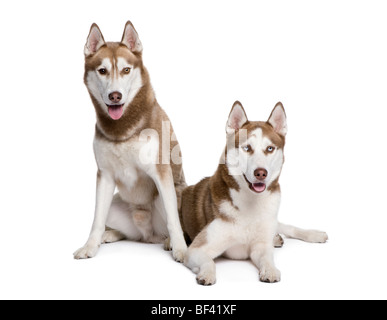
275,186
200,240
267,130
200,203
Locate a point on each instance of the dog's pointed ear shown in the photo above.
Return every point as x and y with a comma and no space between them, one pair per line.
130,38
278,119
94,41
236,119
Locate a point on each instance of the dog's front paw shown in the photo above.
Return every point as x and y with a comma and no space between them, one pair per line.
86,252
179,249
270,275
206,278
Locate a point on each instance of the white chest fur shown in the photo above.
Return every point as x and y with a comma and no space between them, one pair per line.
254,220
255,211
115,158
122,162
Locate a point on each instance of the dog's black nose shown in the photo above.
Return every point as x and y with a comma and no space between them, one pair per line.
115,96
260,174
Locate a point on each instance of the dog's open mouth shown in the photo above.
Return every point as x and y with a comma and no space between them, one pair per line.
115,111
256,187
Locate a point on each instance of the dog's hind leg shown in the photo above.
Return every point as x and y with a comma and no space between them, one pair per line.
112,235
167,244
130,221
142,218
120,224
313,236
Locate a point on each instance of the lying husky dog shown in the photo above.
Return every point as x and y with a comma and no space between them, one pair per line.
129,121
234,212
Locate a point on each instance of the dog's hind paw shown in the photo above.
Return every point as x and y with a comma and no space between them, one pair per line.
154,239
167,244
316,236
111,236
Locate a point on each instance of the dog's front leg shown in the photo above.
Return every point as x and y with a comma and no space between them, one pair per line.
262,255
166,187
104,197
209,244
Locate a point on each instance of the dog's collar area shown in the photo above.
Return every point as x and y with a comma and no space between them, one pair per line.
102,135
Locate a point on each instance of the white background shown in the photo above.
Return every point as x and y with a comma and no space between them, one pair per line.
325,60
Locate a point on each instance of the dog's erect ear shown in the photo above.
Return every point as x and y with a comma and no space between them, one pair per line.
130,38
278,119
236,119
94,41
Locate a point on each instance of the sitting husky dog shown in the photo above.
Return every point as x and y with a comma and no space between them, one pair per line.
234,212
129,121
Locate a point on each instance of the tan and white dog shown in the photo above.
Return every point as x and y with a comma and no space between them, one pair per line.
130,152
234,212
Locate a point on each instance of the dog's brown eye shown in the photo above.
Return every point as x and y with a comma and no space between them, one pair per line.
247,148
270,149
102,71
126,70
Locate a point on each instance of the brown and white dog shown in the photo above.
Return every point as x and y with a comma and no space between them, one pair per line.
234,212
133,146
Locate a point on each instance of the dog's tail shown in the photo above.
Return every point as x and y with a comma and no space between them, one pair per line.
313,236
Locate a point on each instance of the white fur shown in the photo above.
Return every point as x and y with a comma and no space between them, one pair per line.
101,86
105,190
241,162
122,64
313,236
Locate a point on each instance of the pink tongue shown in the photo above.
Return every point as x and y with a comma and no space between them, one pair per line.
259,187
115,112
